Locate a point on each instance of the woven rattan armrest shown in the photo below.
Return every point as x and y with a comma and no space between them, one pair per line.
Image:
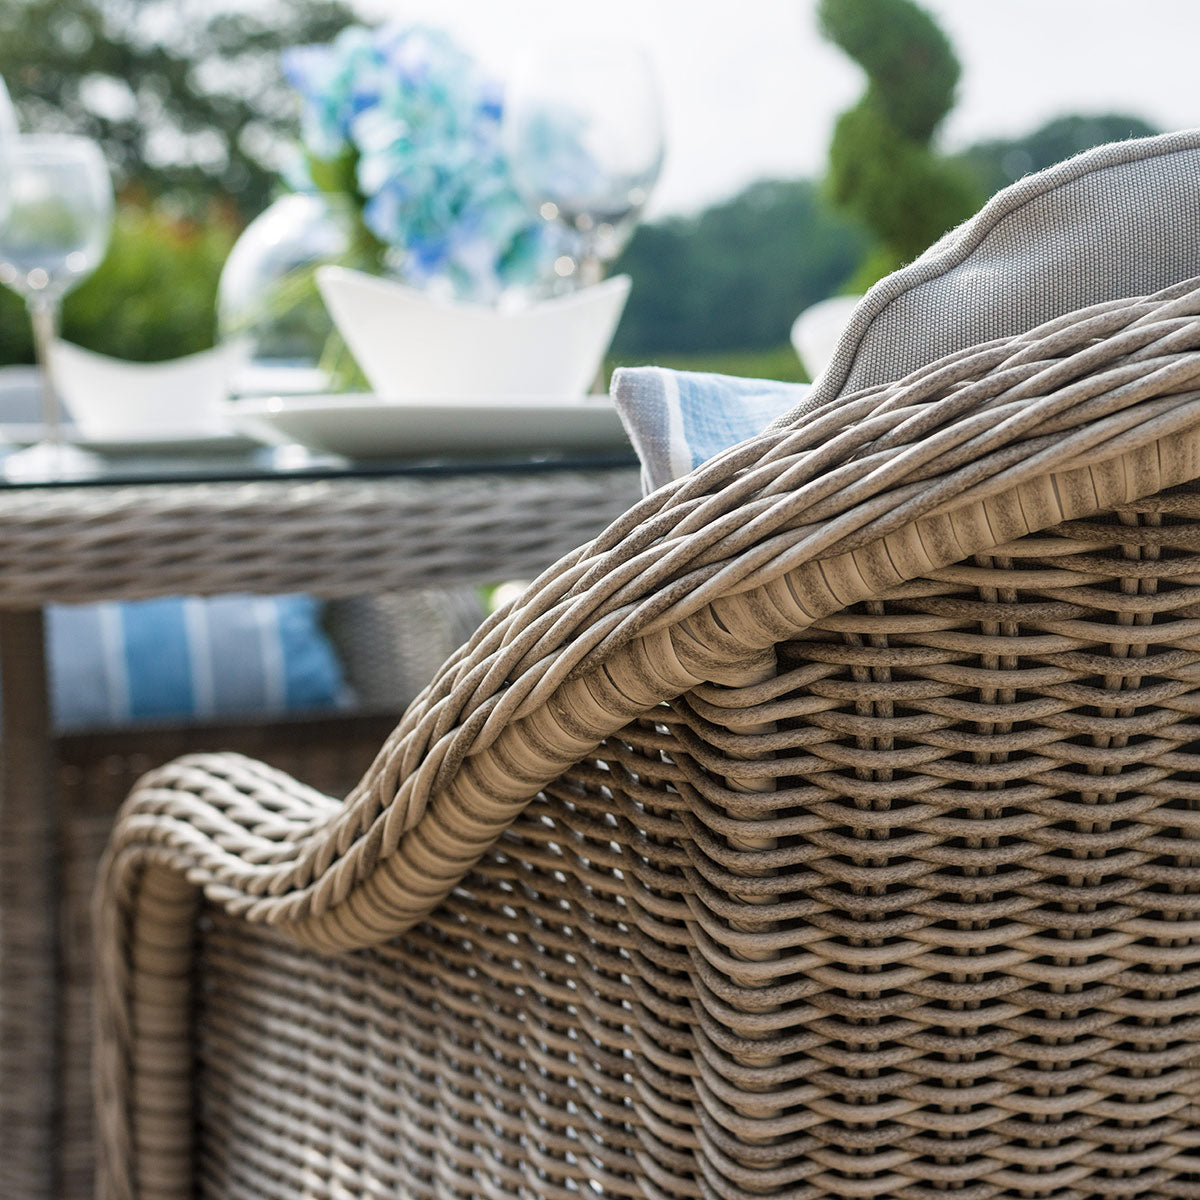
690,593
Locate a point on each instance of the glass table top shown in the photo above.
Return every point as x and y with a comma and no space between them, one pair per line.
294,462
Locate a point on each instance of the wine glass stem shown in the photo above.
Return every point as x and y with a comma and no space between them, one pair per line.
591,265
43,316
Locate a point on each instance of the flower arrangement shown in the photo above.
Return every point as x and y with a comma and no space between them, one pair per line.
404,123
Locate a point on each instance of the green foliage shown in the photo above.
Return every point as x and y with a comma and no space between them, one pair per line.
188,101
776,362
185,96
882,168
336,176
719,291
1002,161
152,298
735,276
911,68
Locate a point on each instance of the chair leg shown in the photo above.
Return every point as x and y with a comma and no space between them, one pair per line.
29,919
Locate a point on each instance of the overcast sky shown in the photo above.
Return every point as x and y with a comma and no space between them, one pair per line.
750,90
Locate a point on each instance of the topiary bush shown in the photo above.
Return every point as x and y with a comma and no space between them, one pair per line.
882,167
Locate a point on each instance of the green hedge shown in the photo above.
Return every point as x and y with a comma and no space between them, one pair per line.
153,297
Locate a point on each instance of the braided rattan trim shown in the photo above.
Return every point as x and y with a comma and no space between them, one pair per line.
694,584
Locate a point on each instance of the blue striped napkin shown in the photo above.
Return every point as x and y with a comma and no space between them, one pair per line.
678,419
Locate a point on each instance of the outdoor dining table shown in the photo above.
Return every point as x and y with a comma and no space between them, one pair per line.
143,528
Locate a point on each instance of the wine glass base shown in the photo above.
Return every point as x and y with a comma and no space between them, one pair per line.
49,461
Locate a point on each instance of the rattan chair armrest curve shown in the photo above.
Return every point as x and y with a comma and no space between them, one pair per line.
695,584
1073,418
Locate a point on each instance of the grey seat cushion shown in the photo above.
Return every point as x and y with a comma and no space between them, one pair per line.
1120,220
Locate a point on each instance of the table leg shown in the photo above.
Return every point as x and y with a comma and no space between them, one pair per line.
30,1008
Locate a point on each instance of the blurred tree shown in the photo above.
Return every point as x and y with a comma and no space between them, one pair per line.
186,96
1002,161
734,278
882,168
736,275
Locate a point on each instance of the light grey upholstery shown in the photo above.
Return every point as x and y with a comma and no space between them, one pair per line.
1119,220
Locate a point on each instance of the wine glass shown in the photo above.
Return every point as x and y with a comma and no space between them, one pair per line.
52,237
583,135
8,119
8,134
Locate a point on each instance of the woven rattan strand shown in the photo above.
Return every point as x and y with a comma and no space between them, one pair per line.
827,828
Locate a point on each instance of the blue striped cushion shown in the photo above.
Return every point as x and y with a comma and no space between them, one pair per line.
189,657
678,419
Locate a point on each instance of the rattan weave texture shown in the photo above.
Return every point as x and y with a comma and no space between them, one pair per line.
46,941
339,537
336,537
826,828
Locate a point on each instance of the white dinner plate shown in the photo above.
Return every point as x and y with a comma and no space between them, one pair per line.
360,426
25,433
196,444
199,444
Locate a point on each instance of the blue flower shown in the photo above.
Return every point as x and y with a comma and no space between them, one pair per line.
421,124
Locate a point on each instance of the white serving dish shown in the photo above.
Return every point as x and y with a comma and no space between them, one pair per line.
414,346
112,400
818,329
360,426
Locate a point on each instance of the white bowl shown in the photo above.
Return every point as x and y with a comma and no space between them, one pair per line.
413,346
111,398
818,329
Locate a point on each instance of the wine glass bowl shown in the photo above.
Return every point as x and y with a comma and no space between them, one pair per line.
56,227
8,134
583,133
53,233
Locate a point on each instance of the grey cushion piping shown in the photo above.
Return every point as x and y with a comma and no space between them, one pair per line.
956,246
